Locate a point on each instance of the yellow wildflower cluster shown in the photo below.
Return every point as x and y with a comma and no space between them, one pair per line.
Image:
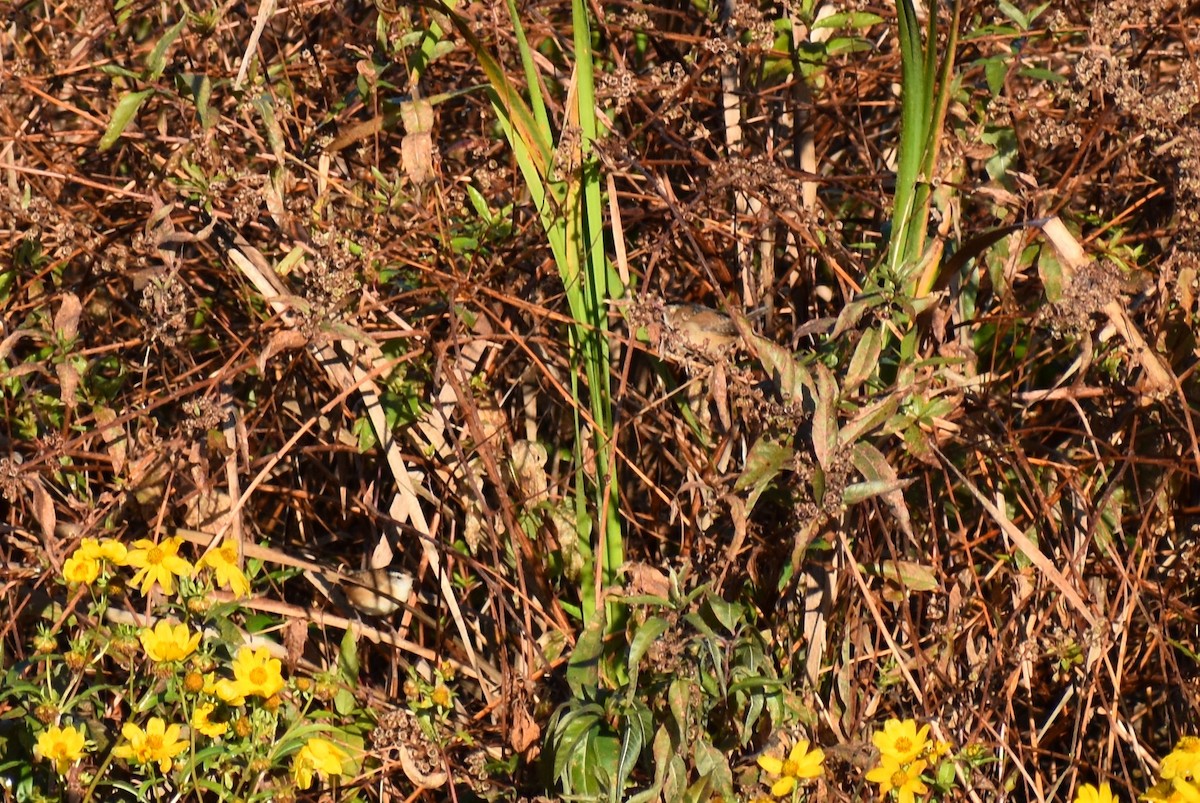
203,700
905,752
155,563
801,764
92,555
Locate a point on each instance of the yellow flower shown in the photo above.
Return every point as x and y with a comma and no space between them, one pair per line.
1090,794
108,549
168,642
224,563
229,691
1176,791
63,746
1184,791
1183,761
159,562
905,779
800,764
156,743
935,750
113,551
901,740
202,723
255,672
441,696
320,756
81,571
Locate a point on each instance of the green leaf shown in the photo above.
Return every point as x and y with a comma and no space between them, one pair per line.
348,666
199,87
156,62
662,751
632,739
858,492
995,70
127,107
848,19
868,419
865,362
1051,273
1013,13
646,634
728,614
712,764
344,702
854,311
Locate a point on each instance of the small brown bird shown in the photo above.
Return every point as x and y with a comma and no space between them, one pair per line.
703,328
377,592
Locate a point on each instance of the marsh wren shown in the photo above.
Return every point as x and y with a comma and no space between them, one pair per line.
377,592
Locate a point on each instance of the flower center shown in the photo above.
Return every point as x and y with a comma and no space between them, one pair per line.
154,742
154,556
258,675
899,779
790,768
903,745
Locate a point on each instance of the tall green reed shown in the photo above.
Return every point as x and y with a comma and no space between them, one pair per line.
564,177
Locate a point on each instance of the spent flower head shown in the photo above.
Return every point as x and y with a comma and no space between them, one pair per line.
801,764
63,746
157,562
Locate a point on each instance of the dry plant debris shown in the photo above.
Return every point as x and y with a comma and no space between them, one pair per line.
276,304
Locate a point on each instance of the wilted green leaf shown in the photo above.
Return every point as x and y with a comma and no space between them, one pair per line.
868,419
583,669
871,463
791,376
824,424
763,464
853,312
911,575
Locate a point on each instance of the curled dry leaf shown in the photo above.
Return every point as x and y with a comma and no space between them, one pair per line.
66,321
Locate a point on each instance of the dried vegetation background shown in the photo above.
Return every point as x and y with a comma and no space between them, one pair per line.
156,373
